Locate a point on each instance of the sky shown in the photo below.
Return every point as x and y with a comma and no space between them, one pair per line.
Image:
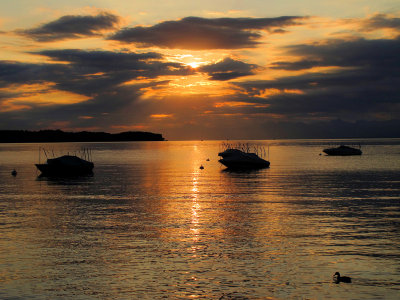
225,69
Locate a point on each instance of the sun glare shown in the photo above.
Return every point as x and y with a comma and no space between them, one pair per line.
195,64
194,61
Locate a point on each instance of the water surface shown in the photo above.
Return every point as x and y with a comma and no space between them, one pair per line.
149,223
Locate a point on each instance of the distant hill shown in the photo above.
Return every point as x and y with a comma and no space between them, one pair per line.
53,136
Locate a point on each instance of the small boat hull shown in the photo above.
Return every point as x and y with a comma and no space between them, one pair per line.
239,160
49,170
66,166
240,165
342,151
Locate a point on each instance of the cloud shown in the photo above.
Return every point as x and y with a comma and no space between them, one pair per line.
381,21
25,73
102,78
363,86
103,60
228,69
349,94
200,33
109,103
93,71
379,53
72,27
361,89
354,91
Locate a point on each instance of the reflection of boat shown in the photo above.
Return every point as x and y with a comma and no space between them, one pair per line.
237,159
343,151
66,165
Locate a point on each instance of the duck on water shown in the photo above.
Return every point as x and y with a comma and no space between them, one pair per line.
338,279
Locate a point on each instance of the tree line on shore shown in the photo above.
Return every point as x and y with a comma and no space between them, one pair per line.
48,136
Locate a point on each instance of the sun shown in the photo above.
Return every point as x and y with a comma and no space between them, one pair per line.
193,61
194,64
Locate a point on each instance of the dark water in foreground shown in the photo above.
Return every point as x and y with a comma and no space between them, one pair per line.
150,224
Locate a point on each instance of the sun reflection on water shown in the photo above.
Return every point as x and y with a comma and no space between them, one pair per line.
150,223
194,227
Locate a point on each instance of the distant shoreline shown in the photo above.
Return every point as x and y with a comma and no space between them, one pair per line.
59,136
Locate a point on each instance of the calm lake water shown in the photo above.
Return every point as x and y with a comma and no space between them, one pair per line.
150,224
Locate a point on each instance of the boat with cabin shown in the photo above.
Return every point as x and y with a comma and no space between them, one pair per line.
242,158
67,165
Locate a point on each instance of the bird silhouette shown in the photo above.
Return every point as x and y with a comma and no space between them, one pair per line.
338,279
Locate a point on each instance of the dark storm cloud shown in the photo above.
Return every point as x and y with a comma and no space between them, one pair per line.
297,65
104,60
200,33
99,58
381,21
26,73
315,81
366,85
93,71
116,106
98,75
228,69
87,76
380,53
72,27
354,94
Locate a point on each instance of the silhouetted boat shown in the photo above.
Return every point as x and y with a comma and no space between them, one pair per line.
237,159
343,151
65,166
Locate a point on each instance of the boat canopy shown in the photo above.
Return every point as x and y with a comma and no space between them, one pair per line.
68,160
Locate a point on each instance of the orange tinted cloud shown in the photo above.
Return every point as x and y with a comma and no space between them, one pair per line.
238,104
130,127
203,34
238,70
25,96
72,27
161,116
